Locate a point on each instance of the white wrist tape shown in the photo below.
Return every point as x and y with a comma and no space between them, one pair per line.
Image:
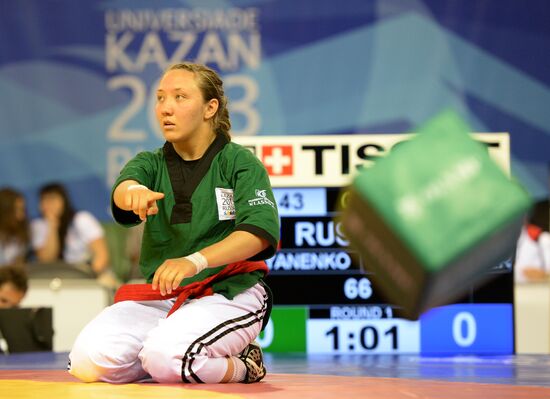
198,260
136,187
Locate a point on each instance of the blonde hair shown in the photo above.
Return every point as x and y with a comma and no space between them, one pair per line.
211,86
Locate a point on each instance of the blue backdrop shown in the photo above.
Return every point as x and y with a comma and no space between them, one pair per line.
77,77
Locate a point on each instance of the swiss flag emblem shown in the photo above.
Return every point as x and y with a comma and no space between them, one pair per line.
278,159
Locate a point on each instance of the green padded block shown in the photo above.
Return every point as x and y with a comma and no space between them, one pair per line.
433,216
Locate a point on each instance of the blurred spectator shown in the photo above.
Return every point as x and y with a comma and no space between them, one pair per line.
533,250
75,237
13,286
14,228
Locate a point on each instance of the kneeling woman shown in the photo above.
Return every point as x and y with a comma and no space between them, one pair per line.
211,220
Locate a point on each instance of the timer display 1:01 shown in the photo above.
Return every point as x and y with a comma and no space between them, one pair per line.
368,337
363,336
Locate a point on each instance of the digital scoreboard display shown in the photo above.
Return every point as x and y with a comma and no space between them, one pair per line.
324,301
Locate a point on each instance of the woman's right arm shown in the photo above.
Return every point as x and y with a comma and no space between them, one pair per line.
130,195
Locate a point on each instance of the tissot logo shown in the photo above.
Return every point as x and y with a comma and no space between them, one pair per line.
334,160
278,160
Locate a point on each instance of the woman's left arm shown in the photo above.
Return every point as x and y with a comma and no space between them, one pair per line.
238,246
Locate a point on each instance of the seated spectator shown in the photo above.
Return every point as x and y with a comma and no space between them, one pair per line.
64,234
13,286
14,228
533,249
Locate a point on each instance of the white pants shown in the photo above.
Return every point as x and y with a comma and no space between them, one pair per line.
129,340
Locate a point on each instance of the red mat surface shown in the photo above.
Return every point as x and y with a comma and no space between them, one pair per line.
22,384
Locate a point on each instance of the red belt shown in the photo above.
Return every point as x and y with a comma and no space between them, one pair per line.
198,289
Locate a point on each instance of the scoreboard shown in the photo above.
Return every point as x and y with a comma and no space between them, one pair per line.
324,301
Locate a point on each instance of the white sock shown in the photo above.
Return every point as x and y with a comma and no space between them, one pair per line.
239,369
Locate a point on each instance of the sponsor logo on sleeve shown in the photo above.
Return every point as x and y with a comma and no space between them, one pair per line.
261,199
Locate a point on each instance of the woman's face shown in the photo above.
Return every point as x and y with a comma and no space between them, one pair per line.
52,205
181,110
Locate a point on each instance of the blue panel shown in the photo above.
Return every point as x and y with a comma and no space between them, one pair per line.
468,329
78,78
301,201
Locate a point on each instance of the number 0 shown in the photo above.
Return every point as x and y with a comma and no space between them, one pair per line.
464,329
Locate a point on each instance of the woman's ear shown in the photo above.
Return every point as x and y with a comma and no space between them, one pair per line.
211,108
